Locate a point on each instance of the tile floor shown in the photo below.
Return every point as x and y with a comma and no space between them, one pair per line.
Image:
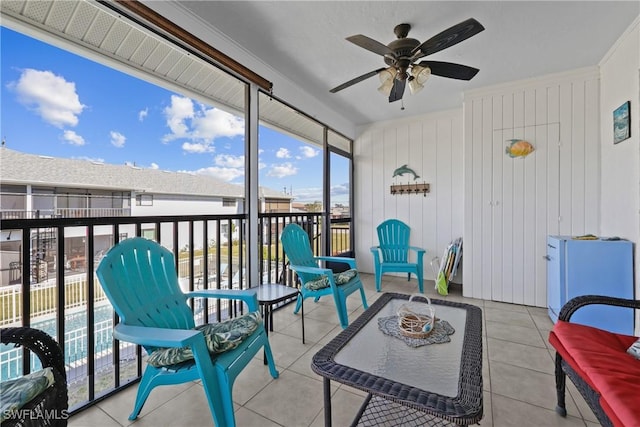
519,385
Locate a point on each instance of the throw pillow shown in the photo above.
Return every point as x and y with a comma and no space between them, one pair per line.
18,392
634,350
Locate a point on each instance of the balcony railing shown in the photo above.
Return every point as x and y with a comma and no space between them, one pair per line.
69,303
64,213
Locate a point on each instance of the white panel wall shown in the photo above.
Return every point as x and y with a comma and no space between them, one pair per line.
432,146
620,74
511,205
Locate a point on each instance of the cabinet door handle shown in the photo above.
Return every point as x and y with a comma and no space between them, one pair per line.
547,257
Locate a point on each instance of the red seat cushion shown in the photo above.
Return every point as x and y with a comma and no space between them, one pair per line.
601,359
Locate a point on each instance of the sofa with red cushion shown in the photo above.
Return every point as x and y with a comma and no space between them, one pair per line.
598,364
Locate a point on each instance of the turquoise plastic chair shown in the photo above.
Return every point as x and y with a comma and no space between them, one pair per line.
139,278
392,254
295,242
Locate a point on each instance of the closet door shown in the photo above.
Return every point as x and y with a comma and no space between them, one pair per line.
524,207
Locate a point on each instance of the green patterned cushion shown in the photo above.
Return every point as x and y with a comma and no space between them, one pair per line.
323,282
14,394
219,337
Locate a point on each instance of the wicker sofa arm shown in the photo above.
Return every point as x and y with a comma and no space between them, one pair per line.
574,304
50,355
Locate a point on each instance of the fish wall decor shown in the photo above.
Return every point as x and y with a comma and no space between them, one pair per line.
518,148
404,169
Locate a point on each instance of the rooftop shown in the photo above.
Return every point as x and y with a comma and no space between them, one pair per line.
23,168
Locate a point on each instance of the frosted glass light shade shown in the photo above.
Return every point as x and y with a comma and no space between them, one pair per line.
387,77
419,76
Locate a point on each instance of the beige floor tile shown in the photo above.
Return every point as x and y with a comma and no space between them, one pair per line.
292,400
525,356
513,413
92,417
247,418
187,409
344,407
505,306
525,385
121,407
514,333
253,378
515,318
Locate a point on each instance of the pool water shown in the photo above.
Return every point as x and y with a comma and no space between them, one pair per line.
75,347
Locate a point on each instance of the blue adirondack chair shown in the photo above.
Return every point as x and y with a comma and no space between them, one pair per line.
317,282
392,254
139,278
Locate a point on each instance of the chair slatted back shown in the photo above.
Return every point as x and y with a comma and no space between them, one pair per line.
139,278
393,237
297,247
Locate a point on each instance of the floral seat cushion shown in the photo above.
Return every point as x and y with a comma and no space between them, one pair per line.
16,393
219,337
322,282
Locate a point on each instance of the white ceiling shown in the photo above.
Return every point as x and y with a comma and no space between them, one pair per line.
305,41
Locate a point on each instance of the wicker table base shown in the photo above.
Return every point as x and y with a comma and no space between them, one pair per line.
376,411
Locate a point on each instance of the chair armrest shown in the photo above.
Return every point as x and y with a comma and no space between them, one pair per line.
155,337
417,249
574,304
249,296
344,260
311,270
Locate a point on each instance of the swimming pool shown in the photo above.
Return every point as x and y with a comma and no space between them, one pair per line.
75,339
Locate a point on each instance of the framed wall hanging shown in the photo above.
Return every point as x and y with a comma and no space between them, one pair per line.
622,122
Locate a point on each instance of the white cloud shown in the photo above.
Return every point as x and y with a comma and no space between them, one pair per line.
212,123
117,139
282,170
154,166
199,124
307,194
225,174
197,147
180,110
72,138
308,152
283,153
50,96
229,161
142,114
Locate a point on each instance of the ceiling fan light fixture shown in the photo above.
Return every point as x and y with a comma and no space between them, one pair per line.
414,86
421,74
387,76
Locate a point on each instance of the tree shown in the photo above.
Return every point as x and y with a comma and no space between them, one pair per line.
314,207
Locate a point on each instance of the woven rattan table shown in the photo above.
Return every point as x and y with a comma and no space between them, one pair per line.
435,384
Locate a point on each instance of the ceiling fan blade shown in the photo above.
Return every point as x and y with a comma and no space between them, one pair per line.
397,90
371,45
450,70
447,38
356,80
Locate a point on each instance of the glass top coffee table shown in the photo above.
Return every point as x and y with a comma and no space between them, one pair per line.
435,384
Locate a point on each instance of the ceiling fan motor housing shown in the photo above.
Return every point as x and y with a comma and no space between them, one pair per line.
402,48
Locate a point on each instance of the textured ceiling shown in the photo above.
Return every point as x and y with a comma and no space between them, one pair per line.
305,41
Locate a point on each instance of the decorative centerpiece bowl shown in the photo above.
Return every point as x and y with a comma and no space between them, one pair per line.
416,319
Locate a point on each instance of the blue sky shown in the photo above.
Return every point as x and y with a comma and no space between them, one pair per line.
56,103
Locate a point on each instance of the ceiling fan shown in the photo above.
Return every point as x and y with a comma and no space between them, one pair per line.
400,56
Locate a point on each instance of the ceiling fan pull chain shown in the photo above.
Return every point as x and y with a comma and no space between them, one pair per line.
402,103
